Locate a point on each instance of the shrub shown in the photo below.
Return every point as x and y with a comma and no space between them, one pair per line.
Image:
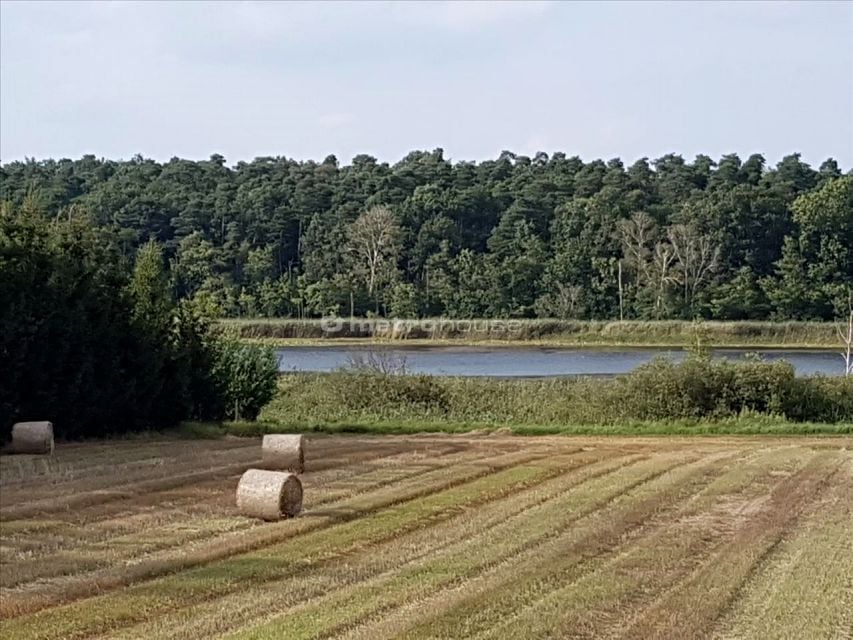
389,394
701,388
820,398
696,389
244,376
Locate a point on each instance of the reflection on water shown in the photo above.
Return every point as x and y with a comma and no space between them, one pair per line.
531,361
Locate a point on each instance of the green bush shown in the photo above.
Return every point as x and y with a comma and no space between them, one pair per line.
245,378
820,398
389,394
693,390
703,388
76,346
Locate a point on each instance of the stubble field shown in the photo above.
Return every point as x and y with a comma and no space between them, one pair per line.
434,537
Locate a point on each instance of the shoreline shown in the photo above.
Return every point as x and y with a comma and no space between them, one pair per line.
557,334
462,343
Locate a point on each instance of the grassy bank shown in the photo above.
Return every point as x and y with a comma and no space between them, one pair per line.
740,426
696,396
669,333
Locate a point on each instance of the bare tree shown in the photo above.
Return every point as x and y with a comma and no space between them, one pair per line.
565,302
381,361
696,255
638,236
662,261
846,335
374,246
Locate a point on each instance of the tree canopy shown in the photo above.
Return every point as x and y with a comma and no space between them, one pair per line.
548,236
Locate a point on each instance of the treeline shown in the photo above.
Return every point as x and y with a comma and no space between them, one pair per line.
98,344
548,236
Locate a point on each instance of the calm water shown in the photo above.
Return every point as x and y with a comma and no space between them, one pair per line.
531,361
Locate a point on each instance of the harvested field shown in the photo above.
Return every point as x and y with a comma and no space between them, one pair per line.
434,537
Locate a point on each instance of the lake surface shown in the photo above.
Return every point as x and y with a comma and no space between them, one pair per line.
530,361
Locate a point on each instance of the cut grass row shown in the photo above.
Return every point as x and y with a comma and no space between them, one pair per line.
281,561
189,521
481,607
691,569
807,582
43,495
705,595
512,553
490,538
195,494
515,536
321,575
244,571
83,460
521,537
254,552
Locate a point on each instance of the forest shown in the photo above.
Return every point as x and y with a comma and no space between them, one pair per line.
550,236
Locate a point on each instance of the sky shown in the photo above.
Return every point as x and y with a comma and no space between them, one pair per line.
305,80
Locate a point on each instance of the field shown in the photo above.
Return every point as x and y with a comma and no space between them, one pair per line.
434,536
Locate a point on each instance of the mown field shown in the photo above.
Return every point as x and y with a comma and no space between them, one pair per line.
470,536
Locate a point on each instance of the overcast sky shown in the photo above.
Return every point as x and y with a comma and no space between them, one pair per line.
599,80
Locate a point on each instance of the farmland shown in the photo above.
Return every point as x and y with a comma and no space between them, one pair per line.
440,536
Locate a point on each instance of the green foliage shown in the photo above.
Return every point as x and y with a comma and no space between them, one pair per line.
820,399
816,267
510,237
99,347
703,388
68,347
740,298
697,389
403,301
245,376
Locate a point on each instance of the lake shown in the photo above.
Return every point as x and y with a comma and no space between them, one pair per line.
531,361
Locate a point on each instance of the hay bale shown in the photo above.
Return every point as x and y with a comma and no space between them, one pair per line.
32,437
269,495
284,452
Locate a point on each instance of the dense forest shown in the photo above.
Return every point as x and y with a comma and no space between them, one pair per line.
548,236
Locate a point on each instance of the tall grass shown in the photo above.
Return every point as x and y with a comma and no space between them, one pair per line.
698,389
569,332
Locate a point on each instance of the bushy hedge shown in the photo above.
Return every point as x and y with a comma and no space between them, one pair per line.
820,399
702,388
245,377
698,388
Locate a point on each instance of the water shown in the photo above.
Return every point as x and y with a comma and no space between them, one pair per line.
532,361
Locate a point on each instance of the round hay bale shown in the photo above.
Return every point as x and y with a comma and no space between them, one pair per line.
32,437
284,452
269,495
